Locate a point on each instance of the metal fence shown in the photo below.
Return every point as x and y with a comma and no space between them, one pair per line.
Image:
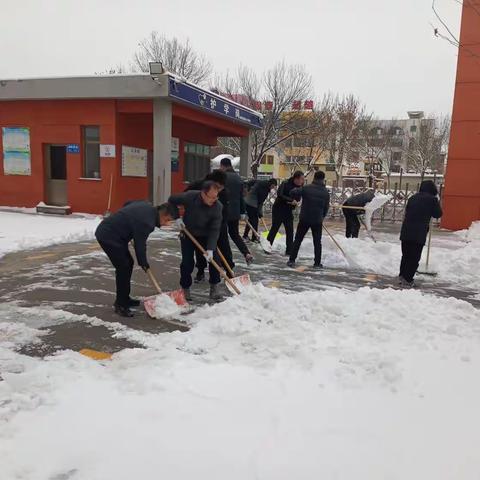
393,211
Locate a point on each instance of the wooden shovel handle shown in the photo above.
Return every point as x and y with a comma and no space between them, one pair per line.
334,241
154,281
252,229
110,192
264,224
225,263
213,262
348,207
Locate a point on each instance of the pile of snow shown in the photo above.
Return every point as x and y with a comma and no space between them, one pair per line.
21,231
335,384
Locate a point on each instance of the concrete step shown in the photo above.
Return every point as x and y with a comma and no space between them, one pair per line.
54,209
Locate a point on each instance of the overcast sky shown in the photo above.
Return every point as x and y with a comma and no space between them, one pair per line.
383,51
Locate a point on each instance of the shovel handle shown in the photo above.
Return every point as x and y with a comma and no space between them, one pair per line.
213,262
154,281
367,230
264,224
225,263
252,229
334,241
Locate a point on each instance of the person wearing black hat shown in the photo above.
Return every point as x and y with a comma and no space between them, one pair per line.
420,209
135,221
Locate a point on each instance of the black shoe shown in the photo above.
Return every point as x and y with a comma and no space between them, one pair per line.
291,264
215,293
199,277
255,240
318,266
249,258
188,295
123,311
133,302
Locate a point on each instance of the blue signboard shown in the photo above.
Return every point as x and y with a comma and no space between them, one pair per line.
212,103
73,148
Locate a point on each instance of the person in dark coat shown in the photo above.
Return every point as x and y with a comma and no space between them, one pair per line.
420,209
254,201
282,211
203,219
135,221
236,207
351,215
315,203
219,178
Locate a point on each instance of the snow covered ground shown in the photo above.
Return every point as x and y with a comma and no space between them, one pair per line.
368,385
23,231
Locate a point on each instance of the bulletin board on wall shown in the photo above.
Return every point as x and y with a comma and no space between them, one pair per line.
134,161
16,151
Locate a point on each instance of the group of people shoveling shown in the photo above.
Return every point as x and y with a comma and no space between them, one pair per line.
212,210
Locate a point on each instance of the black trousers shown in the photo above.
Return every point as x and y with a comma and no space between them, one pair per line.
233,231
302,229
122,260
252,213
280,217
352,223
411,255
224,246
188,262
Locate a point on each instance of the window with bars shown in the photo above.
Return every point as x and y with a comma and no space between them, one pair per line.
91,151
197,161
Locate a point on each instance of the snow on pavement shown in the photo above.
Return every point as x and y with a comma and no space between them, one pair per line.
23,231
370,384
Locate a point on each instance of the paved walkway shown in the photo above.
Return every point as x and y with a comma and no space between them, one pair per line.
77,278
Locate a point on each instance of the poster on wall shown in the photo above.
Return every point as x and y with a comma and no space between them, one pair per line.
134,162
174,153
16,151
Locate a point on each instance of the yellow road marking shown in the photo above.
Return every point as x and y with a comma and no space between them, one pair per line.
95,355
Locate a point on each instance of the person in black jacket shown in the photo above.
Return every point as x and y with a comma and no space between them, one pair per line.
203,219
351,215
420,208
254,201
282,211
315,202
236,207
135,221
219,178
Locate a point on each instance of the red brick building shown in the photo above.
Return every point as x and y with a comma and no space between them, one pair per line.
72,141
461,198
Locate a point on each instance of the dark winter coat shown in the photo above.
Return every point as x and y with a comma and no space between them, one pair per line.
222,196
420,208
200,219
359,200
257,195
315,202
283,202
234,190
135,221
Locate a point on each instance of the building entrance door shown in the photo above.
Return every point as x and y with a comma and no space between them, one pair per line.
56,174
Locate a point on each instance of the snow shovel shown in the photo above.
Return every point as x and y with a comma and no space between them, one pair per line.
426,272
335,242
267,248
228,282
241,281
107,212
267,231
149,302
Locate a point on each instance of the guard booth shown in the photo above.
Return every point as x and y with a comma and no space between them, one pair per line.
84,143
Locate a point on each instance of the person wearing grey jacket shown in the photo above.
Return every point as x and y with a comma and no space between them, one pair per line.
203,219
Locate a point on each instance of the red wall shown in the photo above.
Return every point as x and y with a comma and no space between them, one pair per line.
461,199
121,122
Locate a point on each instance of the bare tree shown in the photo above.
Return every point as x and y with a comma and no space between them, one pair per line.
349,115
274,93
427,147
177,56
120,68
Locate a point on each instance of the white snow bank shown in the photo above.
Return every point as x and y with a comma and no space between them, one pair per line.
20,231
455,262
367,385
471,234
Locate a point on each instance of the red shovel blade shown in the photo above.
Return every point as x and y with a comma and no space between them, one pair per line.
240,282
176,295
